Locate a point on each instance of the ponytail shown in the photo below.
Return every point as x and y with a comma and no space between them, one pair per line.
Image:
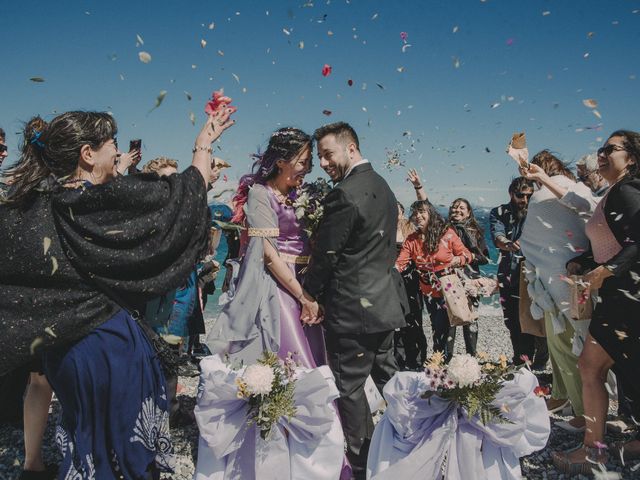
31,169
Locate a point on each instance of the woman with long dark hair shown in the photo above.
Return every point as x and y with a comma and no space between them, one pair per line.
274,252
462,219
611,266
436,250
79,246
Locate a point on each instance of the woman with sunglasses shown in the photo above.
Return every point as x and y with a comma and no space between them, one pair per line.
612,266
81,246
553,232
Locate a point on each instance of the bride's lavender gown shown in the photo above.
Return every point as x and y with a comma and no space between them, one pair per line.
306,343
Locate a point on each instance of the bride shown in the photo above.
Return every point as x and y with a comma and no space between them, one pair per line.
266,297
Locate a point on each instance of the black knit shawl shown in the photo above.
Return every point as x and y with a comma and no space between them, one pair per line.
138,236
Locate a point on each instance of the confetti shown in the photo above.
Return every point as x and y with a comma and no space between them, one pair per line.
37,79
188,95
159,100
455,29
203,43
54,262
192,117
301,45
35,344
546,13
327,112
590,103
456,62
139,40
46,242
144,57
350,82
365,303
326,70
405,47
49,331
404,36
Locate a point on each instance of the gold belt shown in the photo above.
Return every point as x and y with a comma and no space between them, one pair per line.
295,259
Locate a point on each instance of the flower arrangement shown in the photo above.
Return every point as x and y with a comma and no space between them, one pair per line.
470,382
268,386
308,204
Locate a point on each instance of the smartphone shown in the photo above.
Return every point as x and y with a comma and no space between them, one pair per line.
135,144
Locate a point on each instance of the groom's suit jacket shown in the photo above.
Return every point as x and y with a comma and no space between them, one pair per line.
352,270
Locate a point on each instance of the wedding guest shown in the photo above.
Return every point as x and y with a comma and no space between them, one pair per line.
505,224
67,249
128,162
351,274
587,169
462,219
436,250
555,230
611,266
36,389
410,342
4,150
163,166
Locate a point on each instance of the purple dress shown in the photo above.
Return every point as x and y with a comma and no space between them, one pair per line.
305,342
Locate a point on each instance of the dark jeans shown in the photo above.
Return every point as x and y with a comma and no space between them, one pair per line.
523,343
470,334
352,358
440,326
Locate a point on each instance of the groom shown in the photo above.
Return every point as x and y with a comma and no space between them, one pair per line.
352,275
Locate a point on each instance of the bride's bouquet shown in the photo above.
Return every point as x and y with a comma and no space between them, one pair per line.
470,382
308,204
268,386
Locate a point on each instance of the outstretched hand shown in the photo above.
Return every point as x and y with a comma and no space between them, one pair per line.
215,125
414,178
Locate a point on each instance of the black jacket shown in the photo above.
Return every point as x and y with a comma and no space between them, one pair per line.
139,236
352,270
622,212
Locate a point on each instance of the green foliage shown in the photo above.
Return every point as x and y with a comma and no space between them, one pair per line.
266,410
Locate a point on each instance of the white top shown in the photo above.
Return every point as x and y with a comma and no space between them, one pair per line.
553,234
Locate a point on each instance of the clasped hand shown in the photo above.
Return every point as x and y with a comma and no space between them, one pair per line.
311,313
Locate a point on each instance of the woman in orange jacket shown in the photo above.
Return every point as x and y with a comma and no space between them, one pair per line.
436,250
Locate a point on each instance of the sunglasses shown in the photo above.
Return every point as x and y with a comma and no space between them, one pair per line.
609,149
520,195
3,148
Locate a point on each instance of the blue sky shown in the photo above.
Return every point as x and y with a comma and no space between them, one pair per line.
475,72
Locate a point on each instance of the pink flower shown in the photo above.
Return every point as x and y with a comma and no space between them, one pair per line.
326,70
218,101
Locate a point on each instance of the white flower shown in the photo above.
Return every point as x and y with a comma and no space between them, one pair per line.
258,378
464,370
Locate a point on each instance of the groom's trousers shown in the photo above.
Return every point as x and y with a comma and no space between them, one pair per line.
352,358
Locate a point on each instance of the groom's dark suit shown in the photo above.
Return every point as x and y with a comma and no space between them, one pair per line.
352,275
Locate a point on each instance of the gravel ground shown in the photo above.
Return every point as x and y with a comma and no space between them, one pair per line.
493,338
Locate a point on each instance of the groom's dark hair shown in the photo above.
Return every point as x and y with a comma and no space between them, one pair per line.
343,131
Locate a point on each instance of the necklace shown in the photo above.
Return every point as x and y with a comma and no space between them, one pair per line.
281,197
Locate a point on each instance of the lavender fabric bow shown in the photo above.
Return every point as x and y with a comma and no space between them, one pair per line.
308,445
415,435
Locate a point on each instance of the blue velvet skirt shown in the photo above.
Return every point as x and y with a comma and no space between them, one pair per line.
115,422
